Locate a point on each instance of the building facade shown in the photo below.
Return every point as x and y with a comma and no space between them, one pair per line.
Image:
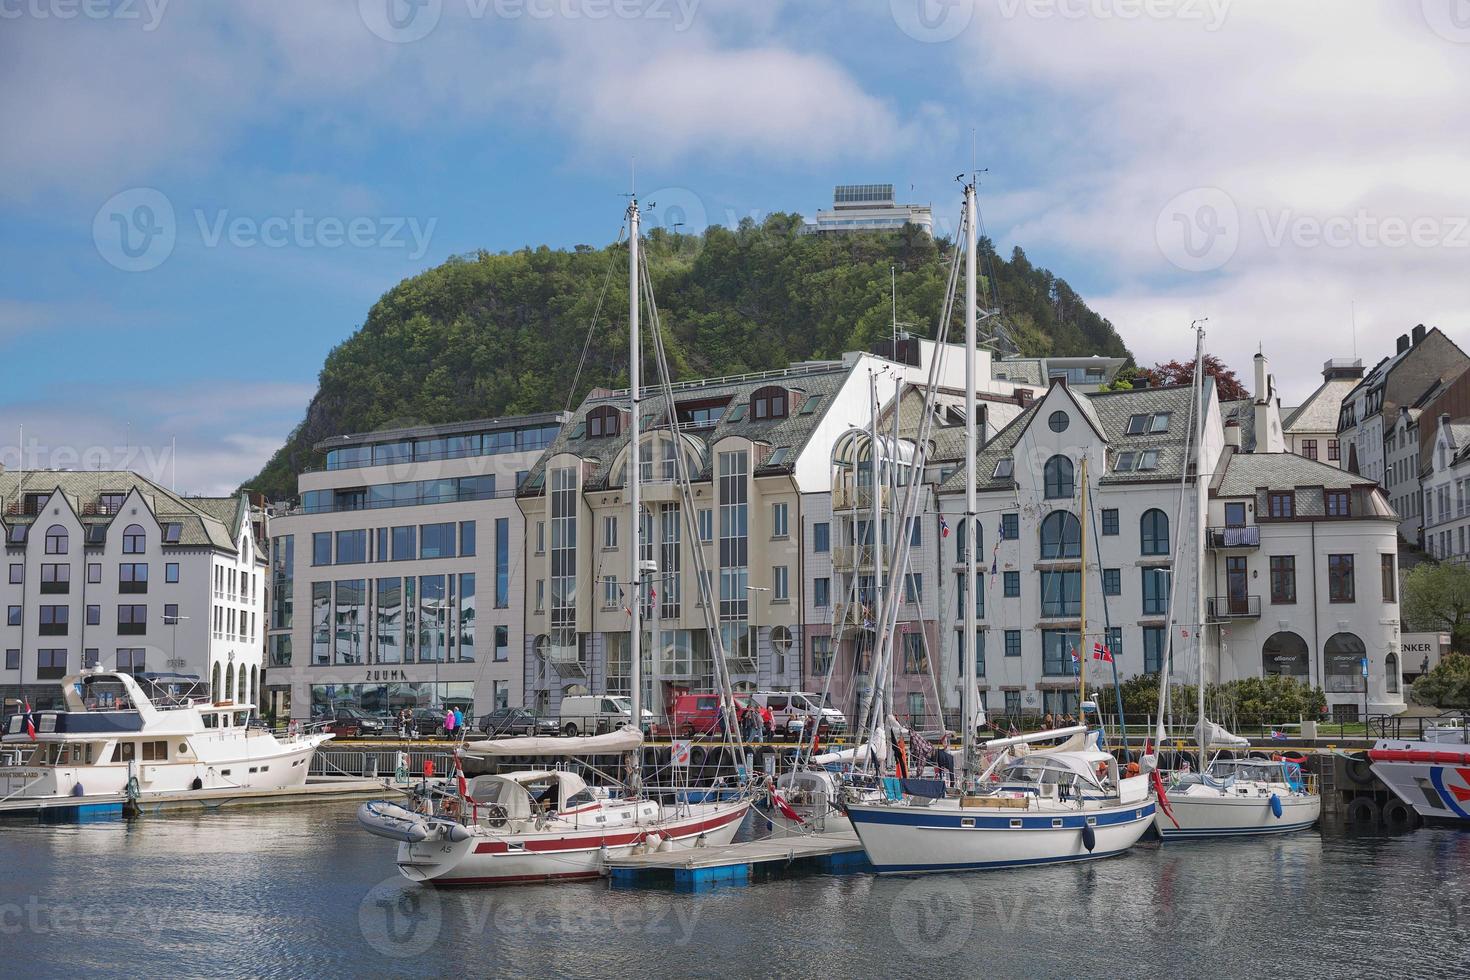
397,580
108,569
1401,474
1310,429
1446,491
870,207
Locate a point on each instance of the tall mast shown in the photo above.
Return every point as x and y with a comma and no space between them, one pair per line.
1197,391
1082,648
967,640
876,667
635,462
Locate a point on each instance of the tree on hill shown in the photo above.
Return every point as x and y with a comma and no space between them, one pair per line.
1447,685
489,335
1182,373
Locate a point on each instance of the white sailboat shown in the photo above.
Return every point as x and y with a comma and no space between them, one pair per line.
549,824
1227,797
1026,805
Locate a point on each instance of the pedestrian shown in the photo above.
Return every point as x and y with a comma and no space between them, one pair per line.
1046,723
1424,667
458,718
449,723
768,722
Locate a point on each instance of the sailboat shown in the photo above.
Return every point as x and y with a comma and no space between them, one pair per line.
548,824
1226,797
1028,804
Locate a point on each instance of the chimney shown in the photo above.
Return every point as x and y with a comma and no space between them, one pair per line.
1023,396
1232,435
1403,342
1263,391
1342,367
1418,334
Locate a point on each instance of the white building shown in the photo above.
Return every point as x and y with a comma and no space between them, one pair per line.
1446,489
870,207
780,549
397,580
1081,373
1401,473
108,569
1311,427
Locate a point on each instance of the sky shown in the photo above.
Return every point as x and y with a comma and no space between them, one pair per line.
199,200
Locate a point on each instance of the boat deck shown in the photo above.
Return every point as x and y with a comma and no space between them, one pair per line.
318,789
738,863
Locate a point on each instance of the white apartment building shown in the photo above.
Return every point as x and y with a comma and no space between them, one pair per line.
1401,473
397,579
1082,373
108,569
1446,488
776,543
870,207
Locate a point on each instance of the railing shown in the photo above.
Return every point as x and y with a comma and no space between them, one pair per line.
1221,607
857,498
845,558
820,367
1235,537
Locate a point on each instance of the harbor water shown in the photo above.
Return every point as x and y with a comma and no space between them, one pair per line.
302,891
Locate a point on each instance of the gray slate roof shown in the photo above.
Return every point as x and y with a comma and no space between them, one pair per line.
1319,412
1245,473
821,381
204,521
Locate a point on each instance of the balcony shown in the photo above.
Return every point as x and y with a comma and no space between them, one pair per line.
857,498
1220,608
1235,538
847,558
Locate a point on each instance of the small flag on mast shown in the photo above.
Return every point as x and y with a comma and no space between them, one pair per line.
1101,652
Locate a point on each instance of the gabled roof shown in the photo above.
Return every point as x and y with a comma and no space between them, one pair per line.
203,521
814,385
1245,473
1320,411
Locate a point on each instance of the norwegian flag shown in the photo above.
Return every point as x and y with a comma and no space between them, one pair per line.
1101,652
943,527
30,721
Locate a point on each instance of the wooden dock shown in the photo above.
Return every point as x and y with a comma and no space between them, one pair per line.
695,867
318,789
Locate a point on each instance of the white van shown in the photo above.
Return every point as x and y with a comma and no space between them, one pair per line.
594,714
792,710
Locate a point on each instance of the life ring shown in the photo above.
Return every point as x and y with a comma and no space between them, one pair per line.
1399,815
1363,810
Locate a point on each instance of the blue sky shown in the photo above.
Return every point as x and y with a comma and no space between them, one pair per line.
1280,168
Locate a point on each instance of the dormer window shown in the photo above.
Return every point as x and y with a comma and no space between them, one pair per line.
171,533
770,403
1003,468
604,421
1148,460
1149,424
1124,462
109,502
1338,503
1159,422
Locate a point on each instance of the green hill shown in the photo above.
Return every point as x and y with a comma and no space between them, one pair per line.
493,335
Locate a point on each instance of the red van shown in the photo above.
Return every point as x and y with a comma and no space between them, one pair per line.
694,714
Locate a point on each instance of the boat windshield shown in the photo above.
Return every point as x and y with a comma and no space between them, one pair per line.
1045,772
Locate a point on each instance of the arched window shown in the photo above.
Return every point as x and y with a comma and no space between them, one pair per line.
604,420
1061,535
1058,478
134,541
1343,655
229,690
240,687
1154,532
214,685
254,691
1391,673
1285,654
56,540
769,402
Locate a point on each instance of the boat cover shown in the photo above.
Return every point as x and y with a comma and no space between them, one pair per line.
611,743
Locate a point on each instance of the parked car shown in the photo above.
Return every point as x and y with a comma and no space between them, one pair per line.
504,722
353,721
792,713
694,714
586,714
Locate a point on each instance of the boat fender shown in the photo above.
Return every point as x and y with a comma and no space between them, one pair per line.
1089,837
76,790
1362,810
132,789
455,832
197,783
1276,806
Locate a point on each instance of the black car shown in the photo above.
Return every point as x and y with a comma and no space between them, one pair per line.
504,722
354,721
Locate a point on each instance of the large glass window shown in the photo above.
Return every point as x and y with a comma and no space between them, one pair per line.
734,548
321,623
56,540
1154,532
1061,593
466,539
821,537
466,618
350,622
283,574
1343,655
1286,654
321,548
134,540
1058,478
502,562
1061,535
1340,586
1057,652
563,556
433,619
1155,591
389,631
351,547
670,533
1283,579
1153,649
405,543
436,541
